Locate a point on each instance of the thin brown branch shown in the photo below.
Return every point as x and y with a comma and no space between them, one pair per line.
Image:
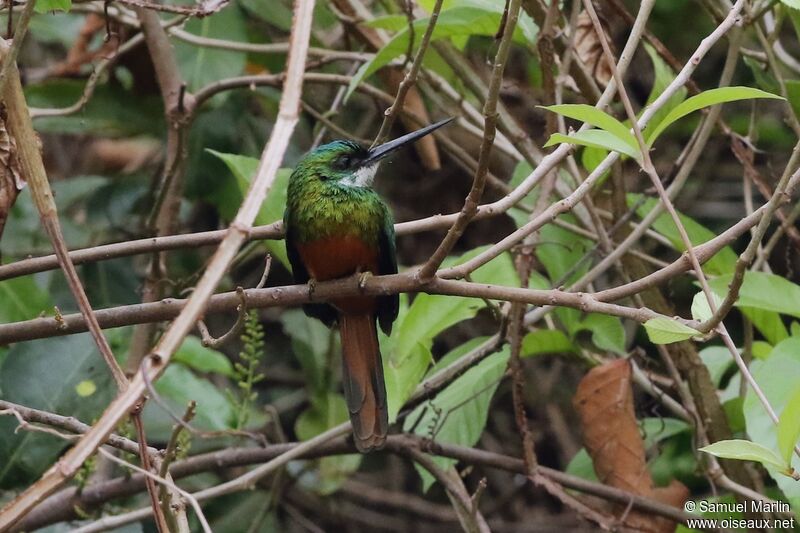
150,483
470,208
324,291
61,506
72,425
471,519
410,78
746,258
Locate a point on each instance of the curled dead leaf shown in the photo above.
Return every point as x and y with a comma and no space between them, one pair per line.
11,179
590,51
604,401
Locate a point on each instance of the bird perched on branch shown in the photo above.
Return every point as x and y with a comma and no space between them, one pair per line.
337,226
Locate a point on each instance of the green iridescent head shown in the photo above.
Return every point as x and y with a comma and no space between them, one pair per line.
348,163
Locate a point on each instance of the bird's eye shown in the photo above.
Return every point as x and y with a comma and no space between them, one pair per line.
344,161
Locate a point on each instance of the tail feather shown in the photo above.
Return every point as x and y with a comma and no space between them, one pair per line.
364,388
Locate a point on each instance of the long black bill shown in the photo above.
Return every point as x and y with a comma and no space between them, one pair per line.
379,152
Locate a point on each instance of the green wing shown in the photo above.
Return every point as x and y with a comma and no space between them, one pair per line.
388,306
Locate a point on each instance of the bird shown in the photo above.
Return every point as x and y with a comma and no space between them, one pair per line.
337,226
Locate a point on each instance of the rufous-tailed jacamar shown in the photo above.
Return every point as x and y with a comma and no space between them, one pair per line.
337,226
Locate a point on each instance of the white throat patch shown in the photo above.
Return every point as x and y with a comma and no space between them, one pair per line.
362,177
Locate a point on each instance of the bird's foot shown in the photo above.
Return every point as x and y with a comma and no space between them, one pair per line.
362,279
312,286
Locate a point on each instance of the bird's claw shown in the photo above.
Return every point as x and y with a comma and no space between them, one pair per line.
312,286
362,279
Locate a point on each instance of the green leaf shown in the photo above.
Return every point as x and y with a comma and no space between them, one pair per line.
22,299
723,261
763,291
244,168
768,323
48,374
607,331
403,376
663,330
597,118
388,22
789,426
193,354
794,14
102,115
718,360
55,28
480,18
777,375
546,341
663,75
595,139
45,6
591,158
407,353
178,386
701,311
457,415
202,65
745,450
706,99
560,250
312,342
763,77
761,349
326,411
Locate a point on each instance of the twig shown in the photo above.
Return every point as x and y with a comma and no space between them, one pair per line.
241,312
152,490
163,217
62,506
71,424
409,79
199,12
170,453
749,253
91,83
470,208
298,294
195,505
471,519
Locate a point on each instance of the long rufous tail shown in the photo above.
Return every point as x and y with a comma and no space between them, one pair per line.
364,388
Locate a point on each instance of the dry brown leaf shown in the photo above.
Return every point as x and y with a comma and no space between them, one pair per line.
604,401
11,180
590,51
